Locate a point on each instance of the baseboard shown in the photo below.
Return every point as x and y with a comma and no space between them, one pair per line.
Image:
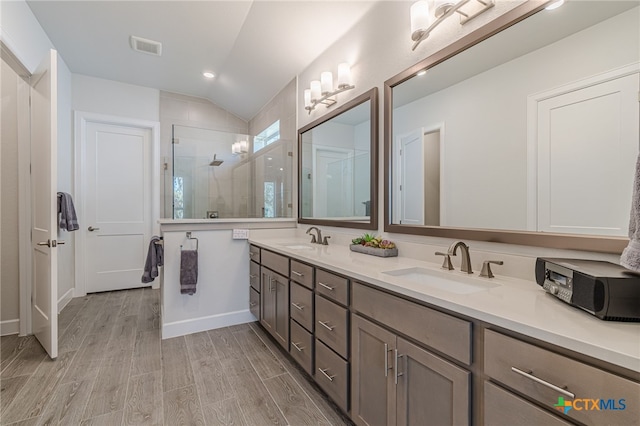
65,299
9,327
196,325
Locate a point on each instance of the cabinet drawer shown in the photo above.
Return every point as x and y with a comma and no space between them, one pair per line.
442,332
332,286
302,273
302,305
302,346
254,253
546,376
254,302
502,408
331,373
332,323
275,262
254,275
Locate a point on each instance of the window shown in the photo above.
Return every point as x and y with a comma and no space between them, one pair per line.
269,199
178,197
267,136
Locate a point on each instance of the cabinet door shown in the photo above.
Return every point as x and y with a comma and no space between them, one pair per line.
430,391
267,300
281,302
372,380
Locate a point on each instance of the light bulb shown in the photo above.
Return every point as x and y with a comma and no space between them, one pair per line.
344,75
307,97
315,90
326,81
419,18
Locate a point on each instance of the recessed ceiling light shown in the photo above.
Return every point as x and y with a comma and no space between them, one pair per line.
421,72
208,74
554,5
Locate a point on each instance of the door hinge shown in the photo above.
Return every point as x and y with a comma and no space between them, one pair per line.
290,154
400,151
400,187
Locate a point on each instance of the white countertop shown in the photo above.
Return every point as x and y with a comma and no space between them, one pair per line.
516,304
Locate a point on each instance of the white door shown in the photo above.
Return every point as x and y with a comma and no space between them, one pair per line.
588,144
44,204
411,189
333,183
117,205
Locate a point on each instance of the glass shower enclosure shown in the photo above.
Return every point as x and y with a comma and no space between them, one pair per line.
210,181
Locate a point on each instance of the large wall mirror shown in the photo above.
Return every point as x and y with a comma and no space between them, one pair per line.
338,166
524,132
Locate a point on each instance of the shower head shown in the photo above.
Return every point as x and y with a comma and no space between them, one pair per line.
215,162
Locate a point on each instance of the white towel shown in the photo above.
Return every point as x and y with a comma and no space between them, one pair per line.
630,258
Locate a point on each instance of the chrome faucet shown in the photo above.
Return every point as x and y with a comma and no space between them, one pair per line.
315,240
466,260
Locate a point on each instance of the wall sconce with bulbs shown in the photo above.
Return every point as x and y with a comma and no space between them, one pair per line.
322,91
423,21
240,147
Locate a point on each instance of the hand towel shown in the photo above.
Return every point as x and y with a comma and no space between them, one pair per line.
68,218
188,271
630,258
155,258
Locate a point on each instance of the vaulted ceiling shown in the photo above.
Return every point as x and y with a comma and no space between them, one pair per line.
254,47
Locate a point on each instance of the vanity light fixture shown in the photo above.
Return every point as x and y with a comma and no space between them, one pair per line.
423,21
240,147
322,91
208,74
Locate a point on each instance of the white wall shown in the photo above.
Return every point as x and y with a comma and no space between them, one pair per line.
474,108
97,95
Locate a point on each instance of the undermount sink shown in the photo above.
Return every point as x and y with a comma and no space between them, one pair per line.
297,246
441,280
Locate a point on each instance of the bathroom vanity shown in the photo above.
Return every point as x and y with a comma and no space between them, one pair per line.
402,340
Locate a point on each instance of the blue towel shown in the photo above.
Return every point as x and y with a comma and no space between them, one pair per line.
68,218
155,258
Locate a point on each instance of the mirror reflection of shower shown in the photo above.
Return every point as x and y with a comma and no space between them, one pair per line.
210,181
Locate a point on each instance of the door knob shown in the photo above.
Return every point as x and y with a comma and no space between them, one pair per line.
91,229
45,243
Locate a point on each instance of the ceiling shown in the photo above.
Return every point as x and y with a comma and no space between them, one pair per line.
254,47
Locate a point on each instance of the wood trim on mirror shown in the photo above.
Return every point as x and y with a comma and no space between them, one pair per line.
540,239
371,95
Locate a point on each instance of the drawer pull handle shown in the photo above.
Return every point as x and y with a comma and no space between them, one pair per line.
251,254
325,374
298,348
324,324
298,307
398,374
386,360
252,304
297,273
529,375
252,276
325,286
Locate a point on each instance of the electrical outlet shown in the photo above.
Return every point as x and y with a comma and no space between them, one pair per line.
240,234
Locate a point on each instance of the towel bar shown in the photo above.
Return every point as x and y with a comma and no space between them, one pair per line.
189,237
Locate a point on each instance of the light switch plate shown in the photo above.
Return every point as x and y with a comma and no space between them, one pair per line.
240,234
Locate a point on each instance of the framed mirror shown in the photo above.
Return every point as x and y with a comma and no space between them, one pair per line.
338,166
523,132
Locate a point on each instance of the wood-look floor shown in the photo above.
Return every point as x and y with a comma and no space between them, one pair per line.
113,369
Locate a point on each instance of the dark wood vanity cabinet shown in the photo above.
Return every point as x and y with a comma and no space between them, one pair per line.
397,380
273,297
385,359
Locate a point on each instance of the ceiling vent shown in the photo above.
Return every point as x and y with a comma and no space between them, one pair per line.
144,45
